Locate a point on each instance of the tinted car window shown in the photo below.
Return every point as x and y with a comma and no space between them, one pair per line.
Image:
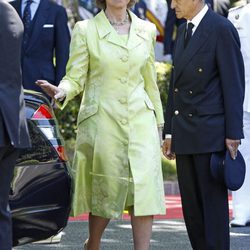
41,150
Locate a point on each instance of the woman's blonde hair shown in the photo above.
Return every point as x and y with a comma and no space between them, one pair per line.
102,3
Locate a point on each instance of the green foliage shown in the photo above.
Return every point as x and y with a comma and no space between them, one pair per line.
163,77
168,169
67,118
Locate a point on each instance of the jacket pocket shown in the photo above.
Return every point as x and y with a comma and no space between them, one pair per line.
86,112
48,34
210,110
148,102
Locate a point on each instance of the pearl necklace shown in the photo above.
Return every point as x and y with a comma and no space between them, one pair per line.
119,23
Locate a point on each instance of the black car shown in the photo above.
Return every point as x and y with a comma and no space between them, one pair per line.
40,195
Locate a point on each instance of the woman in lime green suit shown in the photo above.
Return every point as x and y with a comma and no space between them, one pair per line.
117,162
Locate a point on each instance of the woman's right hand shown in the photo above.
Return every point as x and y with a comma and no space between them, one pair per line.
51,90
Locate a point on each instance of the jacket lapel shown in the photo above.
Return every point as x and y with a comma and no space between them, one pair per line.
137,33
198,39
42,14
179,47
106,31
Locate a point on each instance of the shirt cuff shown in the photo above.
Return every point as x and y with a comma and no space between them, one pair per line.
168,136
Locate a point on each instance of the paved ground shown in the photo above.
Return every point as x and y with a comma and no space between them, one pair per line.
167,234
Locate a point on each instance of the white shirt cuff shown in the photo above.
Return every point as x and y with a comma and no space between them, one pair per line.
168,136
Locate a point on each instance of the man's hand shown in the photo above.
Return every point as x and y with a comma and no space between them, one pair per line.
232,146
166,149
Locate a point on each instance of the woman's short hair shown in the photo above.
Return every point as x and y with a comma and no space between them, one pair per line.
102,3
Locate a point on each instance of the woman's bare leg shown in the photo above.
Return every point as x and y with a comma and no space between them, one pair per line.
142,231
97,226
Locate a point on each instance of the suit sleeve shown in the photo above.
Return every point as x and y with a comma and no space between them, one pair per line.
231,70
78,64
150,79
62,41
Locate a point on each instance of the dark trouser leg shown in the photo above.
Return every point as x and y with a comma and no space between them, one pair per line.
205,204
8,156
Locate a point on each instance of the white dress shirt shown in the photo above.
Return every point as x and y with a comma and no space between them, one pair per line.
197,19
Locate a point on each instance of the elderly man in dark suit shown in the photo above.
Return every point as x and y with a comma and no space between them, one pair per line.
13,127
46,35
204,115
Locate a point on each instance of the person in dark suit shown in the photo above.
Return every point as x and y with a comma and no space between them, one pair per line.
46,35
204,115
13,127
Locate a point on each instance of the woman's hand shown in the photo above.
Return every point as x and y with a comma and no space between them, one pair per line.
51,90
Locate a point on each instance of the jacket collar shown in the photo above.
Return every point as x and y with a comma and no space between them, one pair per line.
137,31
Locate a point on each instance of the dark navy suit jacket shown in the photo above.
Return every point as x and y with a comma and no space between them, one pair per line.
205,102
50,36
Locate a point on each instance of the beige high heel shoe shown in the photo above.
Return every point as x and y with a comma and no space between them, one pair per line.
85,244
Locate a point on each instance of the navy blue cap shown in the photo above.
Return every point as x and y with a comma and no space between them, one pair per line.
228,171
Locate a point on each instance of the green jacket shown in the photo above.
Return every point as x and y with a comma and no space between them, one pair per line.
117,140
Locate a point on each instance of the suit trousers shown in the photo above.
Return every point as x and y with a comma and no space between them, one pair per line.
8,156
241,197
204,203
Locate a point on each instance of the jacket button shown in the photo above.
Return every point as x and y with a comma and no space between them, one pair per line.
123,80
200,70
122,100
176,112
190,92
190,115
124,58
176,90
123,121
